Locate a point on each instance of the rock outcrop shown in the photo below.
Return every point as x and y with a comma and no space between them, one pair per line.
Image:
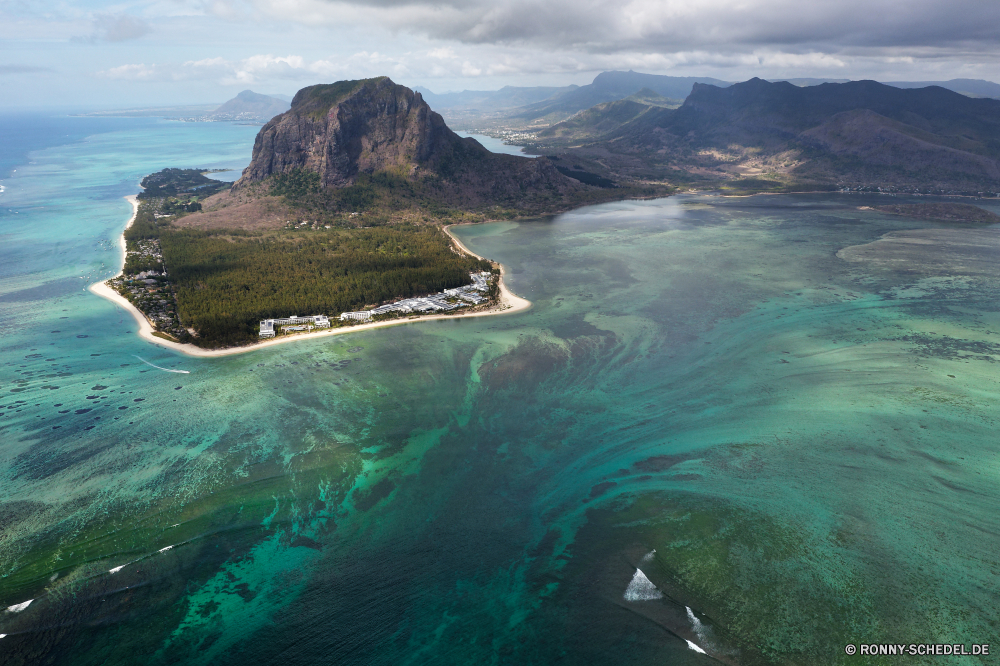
349,128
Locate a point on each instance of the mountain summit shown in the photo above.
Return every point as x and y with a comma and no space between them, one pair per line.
348,129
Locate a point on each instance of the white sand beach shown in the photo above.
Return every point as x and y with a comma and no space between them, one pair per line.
509,303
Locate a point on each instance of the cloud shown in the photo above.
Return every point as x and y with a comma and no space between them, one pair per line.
136,73
263,68
21,69
667,26
117,28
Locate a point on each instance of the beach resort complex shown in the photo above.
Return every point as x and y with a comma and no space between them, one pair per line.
445,301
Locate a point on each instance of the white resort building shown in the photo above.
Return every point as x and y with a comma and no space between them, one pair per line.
443,302
449,299
295,323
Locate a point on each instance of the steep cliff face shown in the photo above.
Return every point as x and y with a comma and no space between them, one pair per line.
350,128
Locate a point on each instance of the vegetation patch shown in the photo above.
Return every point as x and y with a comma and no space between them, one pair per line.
586,177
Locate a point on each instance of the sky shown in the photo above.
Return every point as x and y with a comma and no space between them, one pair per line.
141,53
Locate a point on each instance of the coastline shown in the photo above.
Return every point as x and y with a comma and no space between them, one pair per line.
509,303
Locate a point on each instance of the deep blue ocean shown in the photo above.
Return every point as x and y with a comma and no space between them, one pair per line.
734,430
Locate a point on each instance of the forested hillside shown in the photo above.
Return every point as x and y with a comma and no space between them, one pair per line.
226,283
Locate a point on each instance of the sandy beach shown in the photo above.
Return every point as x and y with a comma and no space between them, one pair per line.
509,303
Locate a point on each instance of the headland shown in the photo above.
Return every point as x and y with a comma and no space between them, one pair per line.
507,303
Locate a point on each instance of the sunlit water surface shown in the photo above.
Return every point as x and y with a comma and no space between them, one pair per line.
708,431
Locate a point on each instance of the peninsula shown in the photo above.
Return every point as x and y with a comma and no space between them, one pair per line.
343,209
155,314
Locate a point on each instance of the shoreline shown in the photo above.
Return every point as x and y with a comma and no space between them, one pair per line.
509,303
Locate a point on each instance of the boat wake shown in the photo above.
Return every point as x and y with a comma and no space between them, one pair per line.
181,372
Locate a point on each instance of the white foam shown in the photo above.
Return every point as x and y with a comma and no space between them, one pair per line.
3,635
695,647
641,589
17,608
648,557
696,624
165,549
116,569
182,372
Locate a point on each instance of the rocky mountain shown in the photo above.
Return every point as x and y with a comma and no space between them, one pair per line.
607,117
609,87
250,106
850,133
350,129
507,97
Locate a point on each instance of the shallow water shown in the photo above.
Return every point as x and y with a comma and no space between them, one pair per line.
797,451
496,145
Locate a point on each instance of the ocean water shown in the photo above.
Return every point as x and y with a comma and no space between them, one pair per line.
496,145
711,438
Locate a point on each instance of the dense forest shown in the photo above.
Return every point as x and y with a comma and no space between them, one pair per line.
379,196
226,284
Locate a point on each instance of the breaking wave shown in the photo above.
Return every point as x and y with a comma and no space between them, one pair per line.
641,589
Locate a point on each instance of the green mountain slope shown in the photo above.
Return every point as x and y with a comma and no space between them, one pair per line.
604,118
854,134
609,87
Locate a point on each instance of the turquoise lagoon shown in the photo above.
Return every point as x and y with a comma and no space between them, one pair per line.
797,451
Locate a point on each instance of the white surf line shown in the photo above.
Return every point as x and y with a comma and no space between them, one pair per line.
182,372
120,567
695,647
699,630
17,608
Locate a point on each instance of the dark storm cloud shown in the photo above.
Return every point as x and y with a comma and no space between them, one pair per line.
673,25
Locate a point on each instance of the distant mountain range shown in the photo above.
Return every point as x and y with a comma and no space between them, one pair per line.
608,116
546,106
855,134
508,97
609,87
858,134
967,87
250,106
